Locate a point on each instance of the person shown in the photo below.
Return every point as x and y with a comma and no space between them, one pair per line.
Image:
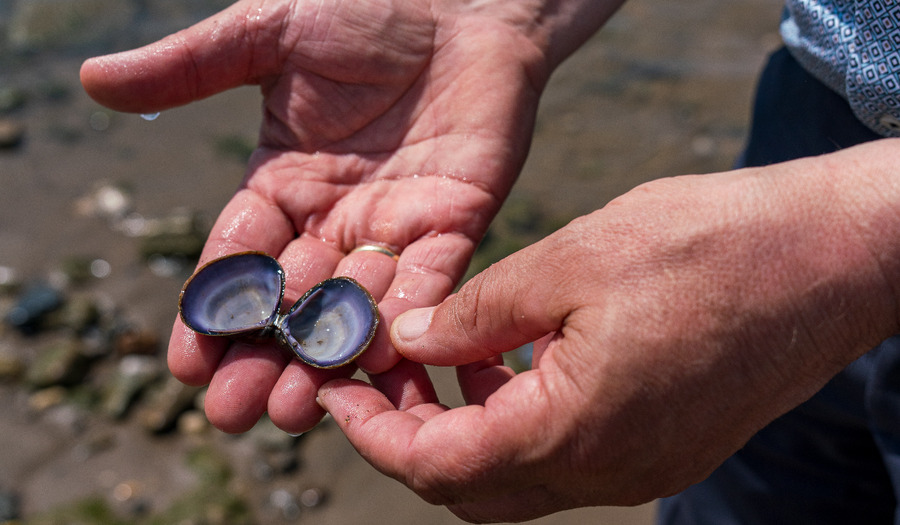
671,326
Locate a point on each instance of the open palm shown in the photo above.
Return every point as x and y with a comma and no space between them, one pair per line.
393,125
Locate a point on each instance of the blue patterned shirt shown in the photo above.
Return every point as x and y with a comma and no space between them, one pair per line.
853,46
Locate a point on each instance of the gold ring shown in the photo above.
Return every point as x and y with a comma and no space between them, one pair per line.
374,248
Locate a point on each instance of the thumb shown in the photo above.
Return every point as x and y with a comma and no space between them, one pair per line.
212,56
509,304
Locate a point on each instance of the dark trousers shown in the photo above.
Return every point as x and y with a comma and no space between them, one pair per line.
836,458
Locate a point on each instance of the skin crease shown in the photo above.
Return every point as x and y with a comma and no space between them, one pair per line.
671,324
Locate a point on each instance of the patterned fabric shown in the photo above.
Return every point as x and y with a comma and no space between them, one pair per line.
853,46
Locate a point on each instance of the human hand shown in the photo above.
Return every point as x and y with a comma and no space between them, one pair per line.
399,124
671,326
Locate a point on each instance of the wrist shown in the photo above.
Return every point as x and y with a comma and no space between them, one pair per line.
555,28
866,180
846,213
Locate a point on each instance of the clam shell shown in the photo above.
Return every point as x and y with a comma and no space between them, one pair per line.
235,294
240,296
332,324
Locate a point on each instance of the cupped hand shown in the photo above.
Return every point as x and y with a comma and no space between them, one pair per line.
388,123
670,326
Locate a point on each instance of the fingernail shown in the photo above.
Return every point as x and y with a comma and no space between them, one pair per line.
413,324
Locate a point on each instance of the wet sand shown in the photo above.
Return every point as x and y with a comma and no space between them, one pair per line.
664,90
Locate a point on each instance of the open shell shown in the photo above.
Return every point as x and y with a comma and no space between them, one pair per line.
240,296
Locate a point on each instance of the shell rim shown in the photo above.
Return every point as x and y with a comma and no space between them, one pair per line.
207,264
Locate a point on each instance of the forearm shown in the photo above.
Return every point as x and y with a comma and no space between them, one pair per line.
858,207
813,249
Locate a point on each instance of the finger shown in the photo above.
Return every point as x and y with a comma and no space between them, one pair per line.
382,434
214,55
193,358
427,271
374,270
460,455
511,303
291,403
540,346
306,262
480,379
239,391
406,385
247,223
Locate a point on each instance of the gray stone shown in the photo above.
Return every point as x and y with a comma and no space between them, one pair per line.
59,362
274,450
133,375
12,98
9,506
312,497
78,314
165,403
180,234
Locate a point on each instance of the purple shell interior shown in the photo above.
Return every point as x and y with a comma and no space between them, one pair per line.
332,324
233,295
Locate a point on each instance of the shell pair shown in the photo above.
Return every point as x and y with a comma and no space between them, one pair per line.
240,296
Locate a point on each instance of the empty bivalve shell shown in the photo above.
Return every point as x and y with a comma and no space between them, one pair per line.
240,296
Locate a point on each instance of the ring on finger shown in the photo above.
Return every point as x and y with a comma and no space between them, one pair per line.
378,249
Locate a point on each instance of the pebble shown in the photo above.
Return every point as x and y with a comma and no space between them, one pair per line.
108,201
9,506
276,452
12,134
12,98
78,313
312,497
46,398
9,280
80,270
32,306
71,420
193,423
136,342
59,362
703,146
12,367
165,404
133,375
285,502
180,234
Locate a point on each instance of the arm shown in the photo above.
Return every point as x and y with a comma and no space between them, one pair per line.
671,325
401,124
